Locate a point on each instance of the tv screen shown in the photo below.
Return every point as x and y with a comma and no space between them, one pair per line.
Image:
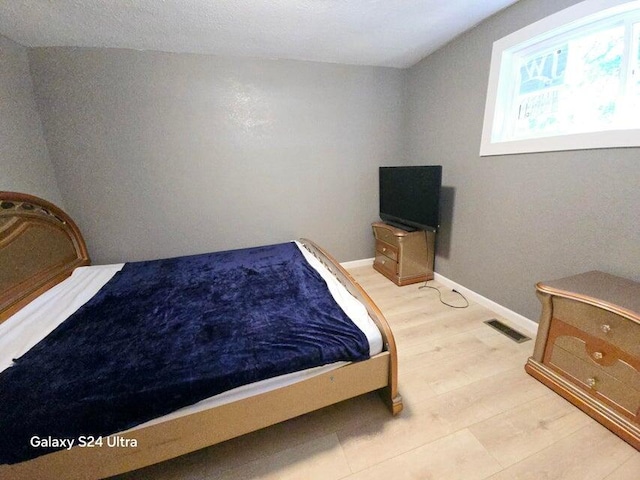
410,196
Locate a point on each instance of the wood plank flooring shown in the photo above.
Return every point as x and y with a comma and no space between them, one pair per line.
471,412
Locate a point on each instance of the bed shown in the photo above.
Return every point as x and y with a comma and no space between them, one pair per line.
42,251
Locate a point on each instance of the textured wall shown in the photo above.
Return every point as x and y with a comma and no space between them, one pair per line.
510,221
24,160
168,154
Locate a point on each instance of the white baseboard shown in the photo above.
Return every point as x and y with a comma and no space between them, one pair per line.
527,326
365,262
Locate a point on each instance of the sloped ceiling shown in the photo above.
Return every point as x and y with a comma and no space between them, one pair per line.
391,33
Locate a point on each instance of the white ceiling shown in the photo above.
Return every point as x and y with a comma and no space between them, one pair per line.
391,33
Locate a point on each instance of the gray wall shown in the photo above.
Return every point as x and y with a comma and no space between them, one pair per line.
510,221
164,154
24,160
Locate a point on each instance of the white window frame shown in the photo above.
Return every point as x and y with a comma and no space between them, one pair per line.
580,14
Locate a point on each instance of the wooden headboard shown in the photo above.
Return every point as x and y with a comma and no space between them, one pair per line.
39,247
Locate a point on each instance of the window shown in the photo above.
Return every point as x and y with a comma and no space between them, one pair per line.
570,81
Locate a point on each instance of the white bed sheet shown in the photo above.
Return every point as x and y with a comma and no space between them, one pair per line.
32,323
39,318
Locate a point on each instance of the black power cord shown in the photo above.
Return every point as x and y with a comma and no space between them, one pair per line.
440,296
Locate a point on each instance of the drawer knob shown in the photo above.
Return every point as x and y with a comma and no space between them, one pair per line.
384,249
605,328
591,382
597,355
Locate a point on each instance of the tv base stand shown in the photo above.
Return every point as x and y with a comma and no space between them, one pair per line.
406,228
403,257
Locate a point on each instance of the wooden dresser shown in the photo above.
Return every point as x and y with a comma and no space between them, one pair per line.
588,348
403,257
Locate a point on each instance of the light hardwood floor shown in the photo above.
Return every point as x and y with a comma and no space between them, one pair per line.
471,413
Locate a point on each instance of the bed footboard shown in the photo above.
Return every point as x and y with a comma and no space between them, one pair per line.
170,439
390,393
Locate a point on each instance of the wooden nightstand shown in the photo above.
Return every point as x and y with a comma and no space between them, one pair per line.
588,348
403,257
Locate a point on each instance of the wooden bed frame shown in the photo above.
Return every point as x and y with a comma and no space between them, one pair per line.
40,246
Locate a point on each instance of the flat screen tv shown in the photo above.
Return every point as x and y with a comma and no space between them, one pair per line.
410,196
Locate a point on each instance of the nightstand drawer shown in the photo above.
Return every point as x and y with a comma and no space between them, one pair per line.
603,358
384,263
387,236
599,323
387,250
596,381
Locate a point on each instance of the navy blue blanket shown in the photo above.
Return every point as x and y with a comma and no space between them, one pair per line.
165,334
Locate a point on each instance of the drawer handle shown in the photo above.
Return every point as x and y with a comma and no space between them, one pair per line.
605,328
597,355
592,382
384,249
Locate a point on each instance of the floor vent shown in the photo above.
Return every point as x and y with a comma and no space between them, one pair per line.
508,331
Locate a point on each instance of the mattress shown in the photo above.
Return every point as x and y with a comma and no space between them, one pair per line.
35,321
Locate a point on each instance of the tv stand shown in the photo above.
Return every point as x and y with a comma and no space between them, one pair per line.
401,256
